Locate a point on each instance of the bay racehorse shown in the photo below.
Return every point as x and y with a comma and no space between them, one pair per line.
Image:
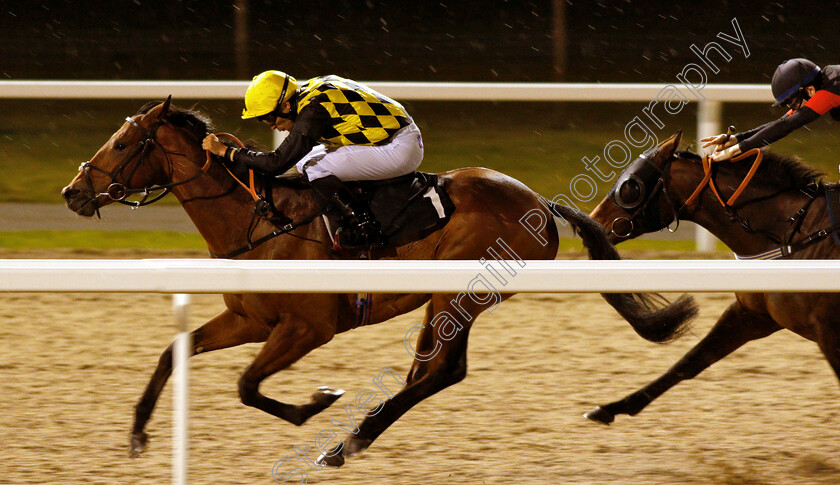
762,206
160,148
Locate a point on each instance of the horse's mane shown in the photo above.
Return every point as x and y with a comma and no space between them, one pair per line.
193,122
198,125
776,170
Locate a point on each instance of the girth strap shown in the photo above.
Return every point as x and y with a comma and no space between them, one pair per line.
786,250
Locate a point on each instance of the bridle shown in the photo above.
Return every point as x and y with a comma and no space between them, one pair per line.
632,192
708,179
784,245
641,175
118,191
729,206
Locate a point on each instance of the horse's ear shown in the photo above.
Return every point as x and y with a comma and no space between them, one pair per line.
668,147
165,108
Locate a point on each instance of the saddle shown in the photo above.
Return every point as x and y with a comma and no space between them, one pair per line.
408,208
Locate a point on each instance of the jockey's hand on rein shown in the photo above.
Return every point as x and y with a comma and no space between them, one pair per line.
725,154
212,144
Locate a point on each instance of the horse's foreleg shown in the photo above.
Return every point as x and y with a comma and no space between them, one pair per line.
733,329
223,331
441,361
288,342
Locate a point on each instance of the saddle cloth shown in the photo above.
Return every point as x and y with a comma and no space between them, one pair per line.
408,208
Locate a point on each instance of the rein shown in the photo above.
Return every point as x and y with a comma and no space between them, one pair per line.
785,246
250,187
286,229
709,181
728,206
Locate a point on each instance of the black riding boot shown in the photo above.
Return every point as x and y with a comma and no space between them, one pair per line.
358,227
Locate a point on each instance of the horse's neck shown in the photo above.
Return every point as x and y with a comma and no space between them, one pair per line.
772,216
224,220
219,219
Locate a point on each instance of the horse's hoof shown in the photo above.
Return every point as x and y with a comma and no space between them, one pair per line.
139,441
600,415
325,396
354,446
335,460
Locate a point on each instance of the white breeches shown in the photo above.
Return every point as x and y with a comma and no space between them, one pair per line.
400,156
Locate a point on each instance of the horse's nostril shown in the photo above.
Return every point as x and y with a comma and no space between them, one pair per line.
70,193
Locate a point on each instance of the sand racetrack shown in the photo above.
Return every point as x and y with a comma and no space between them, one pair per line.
73,366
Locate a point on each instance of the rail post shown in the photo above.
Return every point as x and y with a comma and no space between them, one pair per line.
708,124
180,421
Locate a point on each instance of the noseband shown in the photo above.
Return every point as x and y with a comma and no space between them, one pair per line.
117,191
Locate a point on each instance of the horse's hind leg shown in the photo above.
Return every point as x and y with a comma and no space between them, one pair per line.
733,329
223,331
441,361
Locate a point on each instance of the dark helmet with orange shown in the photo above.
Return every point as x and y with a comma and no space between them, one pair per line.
791,78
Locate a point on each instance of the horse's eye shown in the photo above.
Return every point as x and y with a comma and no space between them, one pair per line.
119,146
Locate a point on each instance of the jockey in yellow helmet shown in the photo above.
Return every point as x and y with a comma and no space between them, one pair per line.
339,130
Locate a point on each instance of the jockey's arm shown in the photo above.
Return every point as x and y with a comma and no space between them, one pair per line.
309,126
821,102
776,130
747,134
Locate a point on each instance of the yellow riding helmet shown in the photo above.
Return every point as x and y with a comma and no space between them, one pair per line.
266,91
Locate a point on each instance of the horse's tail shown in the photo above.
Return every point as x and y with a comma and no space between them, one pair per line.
650,315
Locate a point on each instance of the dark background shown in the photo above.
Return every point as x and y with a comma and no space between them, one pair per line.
493,40
42,141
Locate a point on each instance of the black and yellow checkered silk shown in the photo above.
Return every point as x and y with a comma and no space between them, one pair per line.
360,115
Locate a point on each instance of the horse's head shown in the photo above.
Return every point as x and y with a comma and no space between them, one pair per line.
664,184
634,204
136,158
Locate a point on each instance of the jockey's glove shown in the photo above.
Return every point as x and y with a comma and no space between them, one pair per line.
725,154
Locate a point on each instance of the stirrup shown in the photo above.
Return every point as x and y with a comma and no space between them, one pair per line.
363,234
